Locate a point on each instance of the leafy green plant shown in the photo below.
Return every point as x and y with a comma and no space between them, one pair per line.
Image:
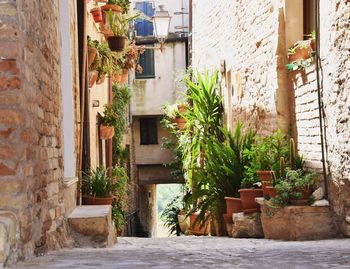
124,4
119,23
300,64
265,154
169,216
98,183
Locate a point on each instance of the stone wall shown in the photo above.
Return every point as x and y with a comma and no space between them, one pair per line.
244,34
335,56
252,38
31,165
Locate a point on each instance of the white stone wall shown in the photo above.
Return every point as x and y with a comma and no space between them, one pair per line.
245,35
335,55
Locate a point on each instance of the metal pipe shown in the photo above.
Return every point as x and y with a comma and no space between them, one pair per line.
319,94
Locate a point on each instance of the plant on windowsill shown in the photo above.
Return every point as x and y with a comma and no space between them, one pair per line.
99,188
117,29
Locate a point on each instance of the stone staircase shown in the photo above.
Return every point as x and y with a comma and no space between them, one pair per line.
92,226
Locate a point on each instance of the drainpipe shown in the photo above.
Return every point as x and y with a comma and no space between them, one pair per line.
319,94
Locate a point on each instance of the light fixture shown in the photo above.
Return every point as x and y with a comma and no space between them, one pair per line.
161,23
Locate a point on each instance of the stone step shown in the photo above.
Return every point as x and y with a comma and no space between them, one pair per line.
9,233
92,226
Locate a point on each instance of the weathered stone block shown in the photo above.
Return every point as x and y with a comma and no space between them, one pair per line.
294,223
247,226
92,226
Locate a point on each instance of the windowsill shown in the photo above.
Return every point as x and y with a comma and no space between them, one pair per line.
69,181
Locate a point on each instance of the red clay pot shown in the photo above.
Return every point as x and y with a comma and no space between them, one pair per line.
271,191
304,200
301,53
97,14
266,179
91,55
227,218
248,199
91,200
107,7
197,228
116,43
180,123
233,205
106,132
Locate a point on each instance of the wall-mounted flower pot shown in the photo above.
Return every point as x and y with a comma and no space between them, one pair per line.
248,199
107,7
180,123
97,14
106,132
266,179
91,200
301,53
116,43
91,55
233,205
92,77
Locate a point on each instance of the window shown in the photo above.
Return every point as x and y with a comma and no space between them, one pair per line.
146,61
309,17
144,27
148,131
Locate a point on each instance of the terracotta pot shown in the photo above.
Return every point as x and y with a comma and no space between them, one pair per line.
115,8
197,229
91,55
125,76
304,200
91,200
184,222
266,179
182,108
116,43
300,53
92,78
106,132
271,191
117,78
233,205
101,80
248,199
180,123
227,218
97,14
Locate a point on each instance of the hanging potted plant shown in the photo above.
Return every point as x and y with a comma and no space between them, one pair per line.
301,50
99,187
108,121
112,5
118,26
96,13
92,51
131,56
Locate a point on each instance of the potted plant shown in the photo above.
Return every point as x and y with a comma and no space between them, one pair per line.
233,205
300,50
112,5
248,193
118,28
99,187
96,13
92,51
108,122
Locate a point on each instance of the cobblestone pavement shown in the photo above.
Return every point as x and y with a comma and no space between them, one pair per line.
201,252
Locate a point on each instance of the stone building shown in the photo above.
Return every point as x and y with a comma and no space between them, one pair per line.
152,89
248,42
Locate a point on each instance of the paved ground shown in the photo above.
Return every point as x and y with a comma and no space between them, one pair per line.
201,252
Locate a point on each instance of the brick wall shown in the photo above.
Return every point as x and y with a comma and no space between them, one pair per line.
31,166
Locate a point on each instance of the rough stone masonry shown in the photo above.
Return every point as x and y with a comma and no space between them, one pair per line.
31,166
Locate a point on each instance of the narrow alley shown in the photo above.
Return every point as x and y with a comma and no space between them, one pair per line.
201,252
